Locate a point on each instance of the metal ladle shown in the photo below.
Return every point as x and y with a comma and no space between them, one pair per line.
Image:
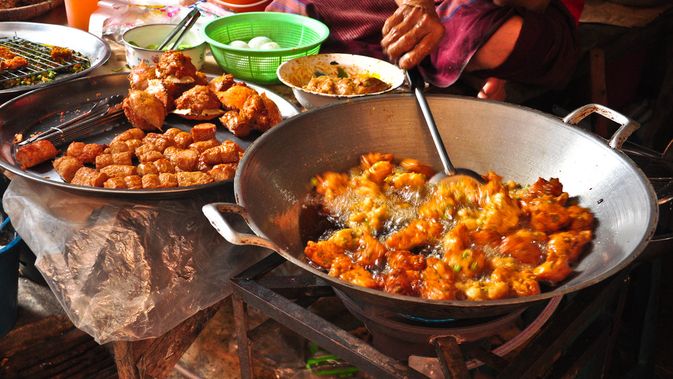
417,84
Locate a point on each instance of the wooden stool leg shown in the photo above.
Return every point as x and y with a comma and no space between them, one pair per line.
244,348
599,92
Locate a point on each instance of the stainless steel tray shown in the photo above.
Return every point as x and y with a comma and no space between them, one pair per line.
39,110
94,48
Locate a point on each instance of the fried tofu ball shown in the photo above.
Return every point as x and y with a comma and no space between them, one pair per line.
203,132
225,153
66,166
222,172
35,153
185,160
144,111
167,179
150,181
118,170
86,176
130,134
194,178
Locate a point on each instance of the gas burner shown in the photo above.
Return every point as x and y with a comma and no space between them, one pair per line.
402,336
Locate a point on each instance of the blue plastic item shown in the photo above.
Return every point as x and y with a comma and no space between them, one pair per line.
9,280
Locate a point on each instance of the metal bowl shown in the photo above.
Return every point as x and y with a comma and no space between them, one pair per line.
94,48
297,73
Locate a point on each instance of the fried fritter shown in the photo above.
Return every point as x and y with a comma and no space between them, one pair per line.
198,103
144,111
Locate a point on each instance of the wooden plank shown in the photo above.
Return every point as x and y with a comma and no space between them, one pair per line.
599,91
164,352
123,356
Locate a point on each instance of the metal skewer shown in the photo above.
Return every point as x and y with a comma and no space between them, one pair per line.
182,27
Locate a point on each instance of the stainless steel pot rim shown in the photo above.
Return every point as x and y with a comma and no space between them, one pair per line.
107,53
561,290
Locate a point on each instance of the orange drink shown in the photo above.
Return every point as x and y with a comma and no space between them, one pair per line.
79,12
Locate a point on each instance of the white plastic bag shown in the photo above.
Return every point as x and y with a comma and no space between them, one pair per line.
126,269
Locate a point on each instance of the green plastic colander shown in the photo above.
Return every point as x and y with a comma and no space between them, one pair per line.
297,35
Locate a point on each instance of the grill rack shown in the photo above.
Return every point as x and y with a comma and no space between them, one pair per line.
39,61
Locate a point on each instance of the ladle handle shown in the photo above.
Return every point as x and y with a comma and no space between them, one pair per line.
213,213
417,84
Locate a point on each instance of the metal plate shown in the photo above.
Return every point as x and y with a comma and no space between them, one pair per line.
85,43
39,110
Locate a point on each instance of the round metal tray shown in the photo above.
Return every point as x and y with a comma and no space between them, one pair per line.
94,48
39,110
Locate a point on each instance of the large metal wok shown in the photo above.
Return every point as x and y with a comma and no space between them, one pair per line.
518,143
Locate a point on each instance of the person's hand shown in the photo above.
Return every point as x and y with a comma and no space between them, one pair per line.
493,89
412,32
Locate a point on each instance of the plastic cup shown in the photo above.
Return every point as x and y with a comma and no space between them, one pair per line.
78,12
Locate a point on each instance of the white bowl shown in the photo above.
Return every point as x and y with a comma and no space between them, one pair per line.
138,38
297,72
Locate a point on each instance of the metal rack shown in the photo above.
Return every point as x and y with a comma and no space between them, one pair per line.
39,60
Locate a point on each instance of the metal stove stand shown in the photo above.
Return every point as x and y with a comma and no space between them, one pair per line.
577,341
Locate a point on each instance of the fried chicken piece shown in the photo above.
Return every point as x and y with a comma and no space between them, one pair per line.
417,233
86,176
222,172
176,67
580,218
323,253
413,165
140,76
524,245
66,166
405,260
35,153
370,252
368,160
546,215
268,117
14,63
156,88
60,54
144,111
437,281
402,282
200,79
186,179
221,83
344,269
203,132
235,96
237,123
469,263
198,103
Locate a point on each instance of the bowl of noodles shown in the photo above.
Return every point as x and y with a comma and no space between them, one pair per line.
322,79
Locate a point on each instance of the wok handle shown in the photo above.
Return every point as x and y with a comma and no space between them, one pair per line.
627,125
213,213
